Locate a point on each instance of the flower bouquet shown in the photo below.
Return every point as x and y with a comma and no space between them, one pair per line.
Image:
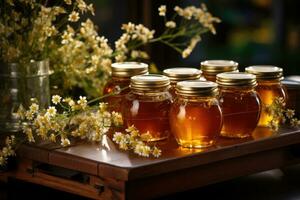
79,57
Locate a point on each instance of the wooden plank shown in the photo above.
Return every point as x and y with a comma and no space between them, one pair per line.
33,153
73,162
197,176
108,161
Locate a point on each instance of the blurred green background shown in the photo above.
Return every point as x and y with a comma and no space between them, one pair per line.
252,31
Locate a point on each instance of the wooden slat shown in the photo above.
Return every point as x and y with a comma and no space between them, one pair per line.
34,153
73,162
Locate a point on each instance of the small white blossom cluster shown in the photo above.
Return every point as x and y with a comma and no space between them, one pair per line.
7,150
280,114
197,22
199,14
133,140
68,118
25,37
133,34
83,58
186,52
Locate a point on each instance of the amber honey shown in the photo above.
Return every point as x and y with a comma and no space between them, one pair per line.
239,102
181,74
269,87
147,106
210,68
118,86
195,115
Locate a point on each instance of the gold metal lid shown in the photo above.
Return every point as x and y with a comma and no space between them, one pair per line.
182,73
218,66
149,82
128,69
229,79
265,72
197,88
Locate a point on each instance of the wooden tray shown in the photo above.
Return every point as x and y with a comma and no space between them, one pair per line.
104,172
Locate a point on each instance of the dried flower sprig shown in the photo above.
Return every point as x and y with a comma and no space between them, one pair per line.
29,28
7,150
68,118
281,115
35,30
182,37
133,140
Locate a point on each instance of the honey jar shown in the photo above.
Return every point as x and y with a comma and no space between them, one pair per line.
195,114
181,74
239,102
147,105
119,82
269,86
210,68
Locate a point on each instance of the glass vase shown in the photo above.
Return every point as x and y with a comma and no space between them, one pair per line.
19,84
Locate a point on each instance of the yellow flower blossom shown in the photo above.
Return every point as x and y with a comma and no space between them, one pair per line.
156,152
162,10
118,137
56,99
82,102
290,113
68,2
74,16
51,111
170,24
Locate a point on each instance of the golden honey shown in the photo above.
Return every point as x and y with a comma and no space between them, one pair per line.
269,87
147,105
120,81
195,115
181,74
239,102
210,68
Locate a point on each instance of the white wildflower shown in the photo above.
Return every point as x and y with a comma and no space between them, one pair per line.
65,142
29,115
51,111
34,108
162,10
170,24
56,99
290,113
82,102
117,118
74,16
118,137
156,152
68,2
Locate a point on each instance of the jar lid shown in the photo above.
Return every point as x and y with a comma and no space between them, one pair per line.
128,69
218,66
196,88
182,73
265,72
229,79
149,82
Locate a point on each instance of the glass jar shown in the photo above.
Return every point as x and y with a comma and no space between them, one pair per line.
147,105
269,87
120,81
195,114
239,102
210,68
181,74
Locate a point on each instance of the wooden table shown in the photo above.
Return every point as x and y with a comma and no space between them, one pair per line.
104,172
